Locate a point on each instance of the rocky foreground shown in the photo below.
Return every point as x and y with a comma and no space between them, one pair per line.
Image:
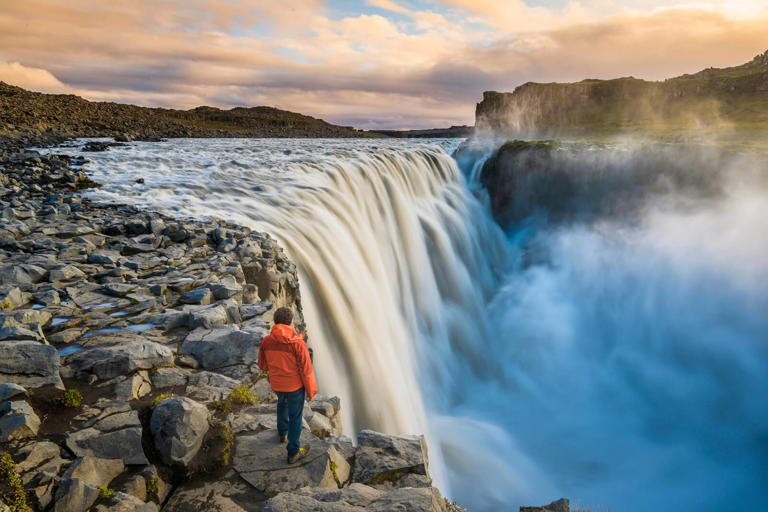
128,377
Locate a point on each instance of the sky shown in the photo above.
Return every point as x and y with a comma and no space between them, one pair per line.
395,64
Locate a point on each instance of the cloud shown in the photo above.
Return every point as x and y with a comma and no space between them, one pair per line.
31,78
395,65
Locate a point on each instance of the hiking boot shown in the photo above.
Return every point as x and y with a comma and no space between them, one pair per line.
303,452
283,438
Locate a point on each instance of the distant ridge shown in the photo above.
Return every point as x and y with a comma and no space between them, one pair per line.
29,114
712,100
453,131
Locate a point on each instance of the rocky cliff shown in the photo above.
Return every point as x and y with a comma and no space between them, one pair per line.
713,99
26,113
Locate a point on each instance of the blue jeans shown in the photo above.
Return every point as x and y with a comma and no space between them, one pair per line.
290,407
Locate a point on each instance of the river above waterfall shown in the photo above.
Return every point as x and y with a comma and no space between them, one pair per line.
620,361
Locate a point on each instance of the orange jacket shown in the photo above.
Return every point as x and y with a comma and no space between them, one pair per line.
285,356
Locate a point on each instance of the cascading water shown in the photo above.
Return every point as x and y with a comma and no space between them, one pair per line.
619,361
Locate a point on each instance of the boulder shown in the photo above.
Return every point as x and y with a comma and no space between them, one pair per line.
382,458
17,421
117,436
261,461
178,427
109,362
29,364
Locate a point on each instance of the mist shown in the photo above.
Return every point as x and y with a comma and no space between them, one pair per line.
630,337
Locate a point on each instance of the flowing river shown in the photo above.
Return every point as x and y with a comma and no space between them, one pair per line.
619,361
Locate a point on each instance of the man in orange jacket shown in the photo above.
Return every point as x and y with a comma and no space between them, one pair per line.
285,356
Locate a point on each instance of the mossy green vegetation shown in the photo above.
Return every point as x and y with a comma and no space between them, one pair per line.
241,395
153,486
390,476
452,506
105,492
11,489
70,398
159,398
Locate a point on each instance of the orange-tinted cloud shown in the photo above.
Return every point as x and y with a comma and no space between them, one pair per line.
394,65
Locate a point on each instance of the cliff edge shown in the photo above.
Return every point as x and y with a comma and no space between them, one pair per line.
711,100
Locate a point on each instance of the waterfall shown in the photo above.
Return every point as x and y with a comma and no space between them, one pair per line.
396,259
611,348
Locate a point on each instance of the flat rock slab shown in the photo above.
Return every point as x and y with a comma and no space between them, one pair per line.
29,364
210,387
223,346
261,461
383,456
109,362
115,437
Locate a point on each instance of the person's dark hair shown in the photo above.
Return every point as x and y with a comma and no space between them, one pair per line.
283,316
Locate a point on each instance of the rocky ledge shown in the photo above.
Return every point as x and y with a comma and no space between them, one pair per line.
128,377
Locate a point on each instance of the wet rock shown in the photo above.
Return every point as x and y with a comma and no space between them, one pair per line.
17,421
109,362
29,364
177,233
67,335
117,436
386,458
261,461
178,427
